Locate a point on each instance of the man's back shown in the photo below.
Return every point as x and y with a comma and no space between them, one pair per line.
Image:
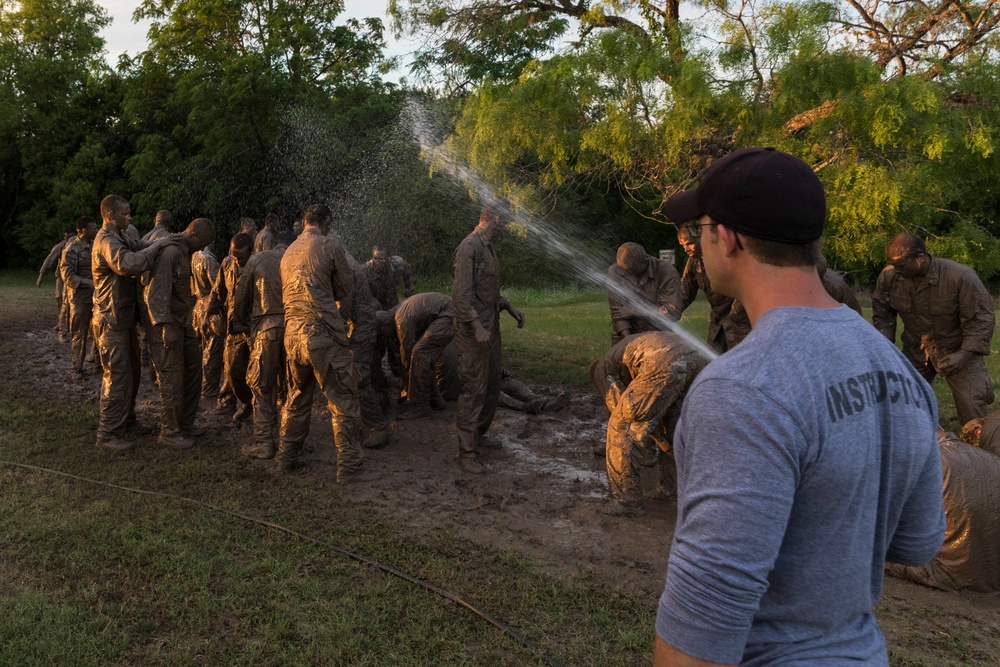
812,460
315,274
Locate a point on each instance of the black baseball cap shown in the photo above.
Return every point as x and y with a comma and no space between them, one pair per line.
760,192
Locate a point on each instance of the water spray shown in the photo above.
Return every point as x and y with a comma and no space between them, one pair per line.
580,261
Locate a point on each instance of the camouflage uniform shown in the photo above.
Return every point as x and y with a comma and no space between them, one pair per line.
51,263
837,287
424,325
315,274
658,288
950,308
727,325
643,380
117,259
172,340
264,240
78,281
258,306
237,349
476,295
204,273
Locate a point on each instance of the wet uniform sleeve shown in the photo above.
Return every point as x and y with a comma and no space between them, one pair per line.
975,311
160,286
127,262
668,291
69,268
343,281
463,290
220,291
736,494
406,272
52,259
920,532
883,314
689,285
620,312
243,299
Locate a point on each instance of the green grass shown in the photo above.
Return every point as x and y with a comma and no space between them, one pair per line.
92,575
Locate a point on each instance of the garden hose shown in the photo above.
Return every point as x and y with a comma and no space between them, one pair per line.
527,643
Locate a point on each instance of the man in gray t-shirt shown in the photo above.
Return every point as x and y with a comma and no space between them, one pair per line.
806,456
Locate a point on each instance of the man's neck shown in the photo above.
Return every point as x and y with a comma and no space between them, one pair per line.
764,287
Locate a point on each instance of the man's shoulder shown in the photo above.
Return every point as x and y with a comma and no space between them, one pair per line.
953,270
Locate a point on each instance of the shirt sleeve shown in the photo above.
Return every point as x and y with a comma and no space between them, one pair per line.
920,532
463,289
620,312
69,268
243,299
975,311
738,473
883,314
689,285
160,286
668,290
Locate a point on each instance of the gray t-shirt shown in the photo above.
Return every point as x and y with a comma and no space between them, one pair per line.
806,458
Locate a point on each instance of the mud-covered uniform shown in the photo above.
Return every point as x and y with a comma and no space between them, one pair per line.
643,379
264,240
476,296
516,395
315,275
204,273
951,307
116,260
78,285
172,340
51,264
726,326
424,326
257,305
363,337
384,284
657,288
837,287
159,231
236,353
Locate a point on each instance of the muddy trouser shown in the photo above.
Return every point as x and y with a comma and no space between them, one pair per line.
480,373
640,411
115,347
135,362
62,306
212,348
237,356
267,358
177,359
420,365
970,386
362,343
446,371
320,360
81,332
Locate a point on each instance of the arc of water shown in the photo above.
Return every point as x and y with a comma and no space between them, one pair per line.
573,254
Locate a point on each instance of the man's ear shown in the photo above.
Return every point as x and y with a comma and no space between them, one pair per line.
727,237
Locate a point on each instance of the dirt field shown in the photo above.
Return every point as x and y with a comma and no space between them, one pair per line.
540,497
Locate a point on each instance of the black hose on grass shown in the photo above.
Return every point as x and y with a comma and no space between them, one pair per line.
527,643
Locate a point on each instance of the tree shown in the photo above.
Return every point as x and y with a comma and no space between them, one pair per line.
893,104
52,103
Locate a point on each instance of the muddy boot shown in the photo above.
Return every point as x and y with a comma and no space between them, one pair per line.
486,442
345,477
175,440
661,492
286,458
135,426
193,431
244,414
260,450
471,465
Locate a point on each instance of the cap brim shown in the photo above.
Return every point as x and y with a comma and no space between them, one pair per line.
683,207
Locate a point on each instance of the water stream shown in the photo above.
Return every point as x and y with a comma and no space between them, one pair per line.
579,261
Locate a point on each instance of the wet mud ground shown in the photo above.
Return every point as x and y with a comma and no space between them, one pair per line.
540,497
